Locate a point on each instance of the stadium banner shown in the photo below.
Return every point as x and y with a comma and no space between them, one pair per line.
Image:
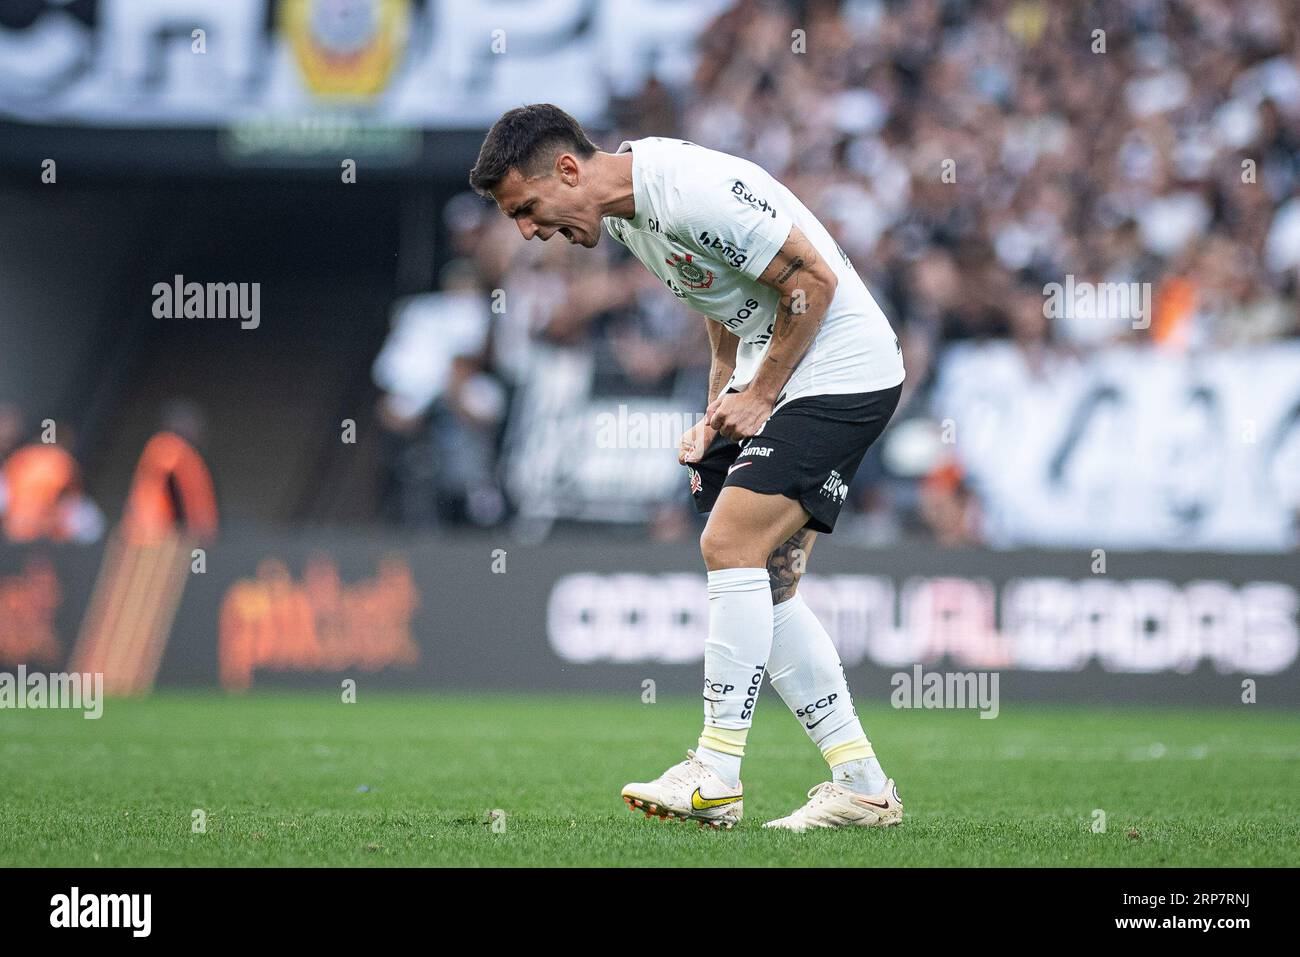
575,455
313,610
286,81
1128,447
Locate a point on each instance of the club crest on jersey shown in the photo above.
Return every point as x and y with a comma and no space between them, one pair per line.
694,276
696,483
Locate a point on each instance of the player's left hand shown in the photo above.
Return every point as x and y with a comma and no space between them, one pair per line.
738,415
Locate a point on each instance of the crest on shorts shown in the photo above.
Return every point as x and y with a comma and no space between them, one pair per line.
694,276
835,488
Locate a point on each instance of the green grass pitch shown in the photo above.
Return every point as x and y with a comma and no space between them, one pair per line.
299,779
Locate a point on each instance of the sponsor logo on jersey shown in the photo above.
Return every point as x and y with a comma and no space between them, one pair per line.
694,276
742,315
742,193
657,227
736,256
835,487
760,450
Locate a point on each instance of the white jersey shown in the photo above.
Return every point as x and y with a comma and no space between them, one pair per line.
708,224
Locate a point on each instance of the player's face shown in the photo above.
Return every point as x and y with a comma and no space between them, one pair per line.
546,205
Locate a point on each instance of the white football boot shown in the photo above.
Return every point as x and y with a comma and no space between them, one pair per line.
689,791
833,805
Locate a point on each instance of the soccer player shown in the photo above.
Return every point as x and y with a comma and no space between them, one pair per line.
806,372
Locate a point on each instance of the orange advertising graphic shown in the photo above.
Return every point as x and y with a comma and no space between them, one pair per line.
27,605
172,489
170,508
318,624
129,619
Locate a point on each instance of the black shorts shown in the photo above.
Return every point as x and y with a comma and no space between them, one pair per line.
808,450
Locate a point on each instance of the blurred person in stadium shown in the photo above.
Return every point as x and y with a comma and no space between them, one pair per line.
11,436
41,495
949,507
172,489
441,406
806,374
11,428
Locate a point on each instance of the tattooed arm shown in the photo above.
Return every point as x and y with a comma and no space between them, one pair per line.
806,285
723,346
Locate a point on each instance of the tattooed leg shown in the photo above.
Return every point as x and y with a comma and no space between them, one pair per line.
785,566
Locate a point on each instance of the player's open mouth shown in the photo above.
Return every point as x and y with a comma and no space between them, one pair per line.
566,233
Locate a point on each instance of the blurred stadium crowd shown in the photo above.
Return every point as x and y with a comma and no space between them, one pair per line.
1164,149
965,155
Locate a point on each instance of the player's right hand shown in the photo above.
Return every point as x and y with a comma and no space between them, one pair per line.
695,441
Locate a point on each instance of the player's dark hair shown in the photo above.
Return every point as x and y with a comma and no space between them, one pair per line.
527,138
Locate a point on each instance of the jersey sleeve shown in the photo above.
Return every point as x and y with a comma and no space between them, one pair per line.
737,220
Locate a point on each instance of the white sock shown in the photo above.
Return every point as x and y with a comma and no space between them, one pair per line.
725,766
864,775
735,656
805,669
